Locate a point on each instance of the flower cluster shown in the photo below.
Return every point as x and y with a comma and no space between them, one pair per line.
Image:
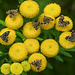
15,68
49,47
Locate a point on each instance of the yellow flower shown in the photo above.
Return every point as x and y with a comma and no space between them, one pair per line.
49,25
26,66
15,22
37,56
29,9
65,43
65,28
18,52
49,48
53,9
16,68
32,45
11,36
5,68
29,31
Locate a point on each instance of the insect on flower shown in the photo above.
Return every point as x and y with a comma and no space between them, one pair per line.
37,63
46,20
36,25
4,36
12,12
72,37
62,23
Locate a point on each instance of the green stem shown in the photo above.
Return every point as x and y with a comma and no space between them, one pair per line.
2,22
20,35
40,39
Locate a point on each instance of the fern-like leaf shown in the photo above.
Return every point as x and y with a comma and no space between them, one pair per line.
58,58
49,66
65,53
72,49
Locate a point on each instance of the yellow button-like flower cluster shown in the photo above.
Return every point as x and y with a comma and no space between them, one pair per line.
49,48
32,45
18,52
31,30
15,68
11,36
38,56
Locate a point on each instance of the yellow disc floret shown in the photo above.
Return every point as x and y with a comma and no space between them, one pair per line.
5,68
64,28
29,31
49,25
32,45
29,9
16,68
35,57
15,22
18,52
49,48
65,43
26,66
53,9
11,36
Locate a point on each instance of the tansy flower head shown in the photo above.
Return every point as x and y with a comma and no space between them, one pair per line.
18,52
26,66
29,31
47,20
63,23
5,68
49,48
64,41
15,22
32,45
29,9
7,36
53,9
16,68
38,62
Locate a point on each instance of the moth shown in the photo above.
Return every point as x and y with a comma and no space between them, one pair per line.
12,12
46,20
4,36
62,23
37,63
72,37
36,25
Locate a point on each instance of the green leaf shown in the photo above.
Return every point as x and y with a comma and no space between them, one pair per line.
72,49
49,66
58,58
38,38
21,36
65,53
24,73
20,1
2,23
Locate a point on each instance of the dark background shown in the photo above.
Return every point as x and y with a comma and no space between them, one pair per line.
68,9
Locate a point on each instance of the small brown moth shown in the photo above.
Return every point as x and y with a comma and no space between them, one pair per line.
72,37
46,20
4,36
62,23
36,25
37,63
12,12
